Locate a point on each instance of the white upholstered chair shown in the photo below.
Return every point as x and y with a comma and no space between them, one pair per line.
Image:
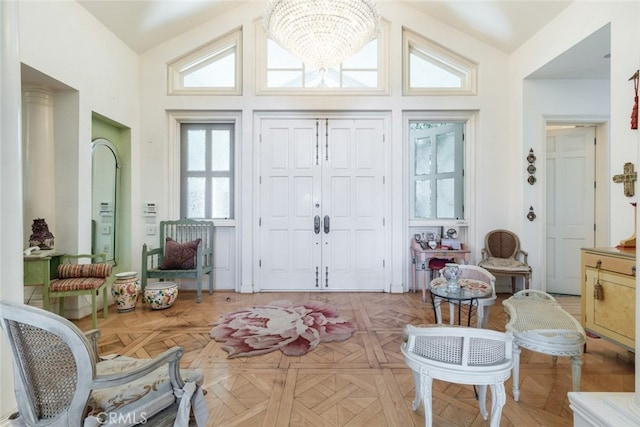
484,304
59,379
460,355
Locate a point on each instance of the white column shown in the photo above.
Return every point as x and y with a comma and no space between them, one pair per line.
38,162
10,189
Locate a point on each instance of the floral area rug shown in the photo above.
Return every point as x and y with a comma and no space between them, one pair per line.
293,328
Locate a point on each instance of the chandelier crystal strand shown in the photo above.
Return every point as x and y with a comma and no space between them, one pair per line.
322,33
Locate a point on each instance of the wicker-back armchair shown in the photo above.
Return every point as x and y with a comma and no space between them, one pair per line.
460,355
61,381
502,256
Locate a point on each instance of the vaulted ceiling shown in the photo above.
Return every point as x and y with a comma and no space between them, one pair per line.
504,24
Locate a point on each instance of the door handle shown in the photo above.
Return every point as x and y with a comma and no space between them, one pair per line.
327,224
316,224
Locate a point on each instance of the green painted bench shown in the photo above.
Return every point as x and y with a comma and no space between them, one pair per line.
178,255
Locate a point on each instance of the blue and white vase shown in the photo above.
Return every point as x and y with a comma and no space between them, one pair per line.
452,273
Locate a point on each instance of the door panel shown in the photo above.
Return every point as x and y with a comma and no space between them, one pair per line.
570,205
288,180
340,177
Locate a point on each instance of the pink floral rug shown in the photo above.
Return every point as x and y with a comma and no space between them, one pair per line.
293,328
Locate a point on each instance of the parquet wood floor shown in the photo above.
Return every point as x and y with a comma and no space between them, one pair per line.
359,382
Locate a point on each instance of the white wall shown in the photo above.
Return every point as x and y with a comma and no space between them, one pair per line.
490,103
533,100
63,41
580,100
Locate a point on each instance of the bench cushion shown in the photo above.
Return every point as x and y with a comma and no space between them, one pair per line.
70,271
76,284
179,256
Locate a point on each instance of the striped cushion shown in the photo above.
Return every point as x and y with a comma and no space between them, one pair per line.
68,271
76,284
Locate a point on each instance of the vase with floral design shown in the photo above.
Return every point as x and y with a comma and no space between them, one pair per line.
161,295
125,291
452,273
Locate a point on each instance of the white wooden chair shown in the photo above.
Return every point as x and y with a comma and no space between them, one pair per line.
461,355
61,381
484,304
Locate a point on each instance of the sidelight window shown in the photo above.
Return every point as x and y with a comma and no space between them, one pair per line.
437,165
207,170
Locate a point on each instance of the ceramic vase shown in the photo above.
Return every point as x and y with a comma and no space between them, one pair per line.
161,295
125,291
452,273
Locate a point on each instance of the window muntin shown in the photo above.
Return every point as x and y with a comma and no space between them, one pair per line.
280,72
437,160
207,170
215,68
285,71
431,69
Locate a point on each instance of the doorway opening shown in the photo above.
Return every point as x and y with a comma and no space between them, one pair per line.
576,204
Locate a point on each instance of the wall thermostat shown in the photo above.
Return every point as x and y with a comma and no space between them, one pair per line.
150,209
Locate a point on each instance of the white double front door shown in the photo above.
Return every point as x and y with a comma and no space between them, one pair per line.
322,200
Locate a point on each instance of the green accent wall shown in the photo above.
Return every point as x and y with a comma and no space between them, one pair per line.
120,136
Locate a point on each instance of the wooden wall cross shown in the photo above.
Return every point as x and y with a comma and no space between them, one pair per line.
628,177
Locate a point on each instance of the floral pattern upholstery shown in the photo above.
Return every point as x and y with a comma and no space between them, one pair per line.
507,264
138,400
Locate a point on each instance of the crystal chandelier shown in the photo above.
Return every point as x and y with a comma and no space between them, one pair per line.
322,33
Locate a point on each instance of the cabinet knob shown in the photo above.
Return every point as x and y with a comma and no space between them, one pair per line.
633,270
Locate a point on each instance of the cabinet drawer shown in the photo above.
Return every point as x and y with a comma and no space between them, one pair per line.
609,263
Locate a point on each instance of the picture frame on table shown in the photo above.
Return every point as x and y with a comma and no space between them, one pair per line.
428,237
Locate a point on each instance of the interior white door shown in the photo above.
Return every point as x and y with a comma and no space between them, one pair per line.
570,217
321,205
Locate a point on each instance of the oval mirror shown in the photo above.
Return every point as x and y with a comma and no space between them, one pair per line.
104,197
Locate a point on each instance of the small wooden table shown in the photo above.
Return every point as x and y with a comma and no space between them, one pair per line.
420,262
39,268
538,323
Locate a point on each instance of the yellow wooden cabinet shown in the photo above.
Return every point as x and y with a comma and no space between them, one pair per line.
609,294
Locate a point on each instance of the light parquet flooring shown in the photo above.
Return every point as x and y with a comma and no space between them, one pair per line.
359,382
